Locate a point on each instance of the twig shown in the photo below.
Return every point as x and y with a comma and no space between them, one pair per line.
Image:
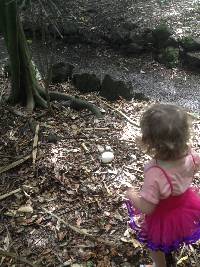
14,164
195,256
85,147
10,193
122,114
17,257
99,129
194,115
80,231
35,143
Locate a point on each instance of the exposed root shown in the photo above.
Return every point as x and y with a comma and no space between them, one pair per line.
40,101
75,103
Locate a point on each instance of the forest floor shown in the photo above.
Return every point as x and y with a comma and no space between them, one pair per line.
68,208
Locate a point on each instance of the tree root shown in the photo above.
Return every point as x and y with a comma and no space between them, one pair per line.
75,103
38,98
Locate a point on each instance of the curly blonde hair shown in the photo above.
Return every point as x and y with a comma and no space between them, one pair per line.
165,131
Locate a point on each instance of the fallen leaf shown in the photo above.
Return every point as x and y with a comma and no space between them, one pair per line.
182,260
78,221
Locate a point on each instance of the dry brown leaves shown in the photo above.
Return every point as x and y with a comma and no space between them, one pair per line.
69,180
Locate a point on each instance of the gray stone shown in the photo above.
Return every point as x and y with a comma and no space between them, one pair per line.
70,27
192,60
86,82
112,89
190,44
140,96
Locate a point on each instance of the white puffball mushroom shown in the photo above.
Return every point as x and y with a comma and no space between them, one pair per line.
107,157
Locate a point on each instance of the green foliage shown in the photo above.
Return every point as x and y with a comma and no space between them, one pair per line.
188,40
169,56
161,34
90,264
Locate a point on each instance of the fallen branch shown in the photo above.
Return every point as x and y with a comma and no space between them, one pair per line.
16,257
99,129
10,193
35,143
80,231
122,114
75,103
14,164
85,148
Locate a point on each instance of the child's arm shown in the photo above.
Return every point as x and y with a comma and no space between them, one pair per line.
139,202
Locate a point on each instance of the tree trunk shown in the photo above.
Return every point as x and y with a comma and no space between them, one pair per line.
25,88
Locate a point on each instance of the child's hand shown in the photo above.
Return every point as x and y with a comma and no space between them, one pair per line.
138,202
130,193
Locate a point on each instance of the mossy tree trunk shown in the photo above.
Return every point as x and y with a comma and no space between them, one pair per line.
25,87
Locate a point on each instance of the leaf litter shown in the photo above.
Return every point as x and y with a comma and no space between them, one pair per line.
66,207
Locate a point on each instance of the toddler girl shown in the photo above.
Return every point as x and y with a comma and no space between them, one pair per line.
170,205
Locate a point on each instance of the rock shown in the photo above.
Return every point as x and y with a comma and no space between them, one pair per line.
112,89
147,37
53,138
61,72
140,96
70,27
143,39
192,60
190,45
86,82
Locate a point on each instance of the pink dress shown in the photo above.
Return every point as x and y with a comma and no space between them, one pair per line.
176,218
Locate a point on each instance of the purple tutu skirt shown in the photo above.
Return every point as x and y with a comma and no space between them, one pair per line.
174,222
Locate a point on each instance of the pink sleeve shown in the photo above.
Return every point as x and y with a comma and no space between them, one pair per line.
150,189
